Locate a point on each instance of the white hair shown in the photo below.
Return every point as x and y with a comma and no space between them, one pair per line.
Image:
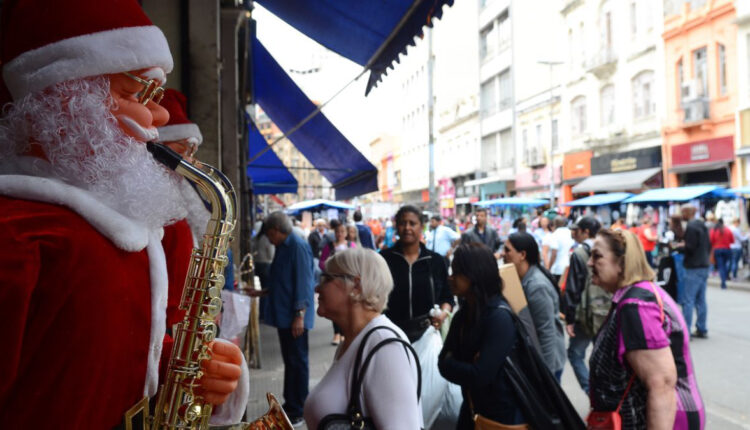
73,125
372,270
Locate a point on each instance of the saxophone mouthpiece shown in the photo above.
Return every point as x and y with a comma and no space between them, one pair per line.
164,155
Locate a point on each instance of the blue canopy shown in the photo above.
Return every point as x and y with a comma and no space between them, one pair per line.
267,172
599,199
678,194
317,204
370,33
740,190
513,201
318,140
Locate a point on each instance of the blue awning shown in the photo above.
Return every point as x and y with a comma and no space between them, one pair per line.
370,33
513,201
348,171
599,199
740,190
267,172
678,194
317,204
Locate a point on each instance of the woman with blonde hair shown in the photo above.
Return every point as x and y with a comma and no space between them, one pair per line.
353,293
640,366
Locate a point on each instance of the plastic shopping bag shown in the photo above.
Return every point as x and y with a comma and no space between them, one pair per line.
236,314
439,402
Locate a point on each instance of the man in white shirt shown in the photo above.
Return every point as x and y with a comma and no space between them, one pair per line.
562,243
440,238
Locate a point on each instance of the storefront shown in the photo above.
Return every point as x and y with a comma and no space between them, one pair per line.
466,194
447,197
534,183
704,162
625,171
576,167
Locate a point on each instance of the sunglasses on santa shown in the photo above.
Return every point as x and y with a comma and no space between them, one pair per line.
151,89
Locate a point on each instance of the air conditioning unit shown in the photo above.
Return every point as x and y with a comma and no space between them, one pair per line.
689,90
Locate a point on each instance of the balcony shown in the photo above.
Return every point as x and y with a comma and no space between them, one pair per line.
602,63
696,111
534,157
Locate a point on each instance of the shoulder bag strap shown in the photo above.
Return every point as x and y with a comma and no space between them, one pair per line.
368,359
360,351
632,378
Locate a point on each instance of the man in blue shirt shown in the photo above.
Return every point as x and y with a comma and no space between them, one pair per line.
440,238
365,234
290,308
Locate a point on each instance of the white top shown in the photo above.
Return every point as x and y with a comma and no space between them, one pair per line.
562,242
389,391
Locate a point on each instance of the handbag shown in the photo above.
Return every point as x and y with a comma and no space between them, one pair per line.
611,420
483,423
353,418
540,398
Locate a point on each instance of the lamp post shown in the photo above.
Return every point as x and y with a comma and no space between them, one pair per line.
551,64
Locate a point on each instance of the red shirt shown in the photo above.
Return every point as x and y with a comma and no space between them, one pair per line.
648,245
721,239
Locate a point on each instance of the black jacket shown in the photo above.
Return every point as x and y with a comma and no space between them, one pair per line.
316,242
473,357
415,283
578,276
697,245
490,238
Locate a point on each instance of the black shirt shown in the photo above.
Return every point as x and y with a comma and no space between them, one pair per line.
414,284
473,357
697,245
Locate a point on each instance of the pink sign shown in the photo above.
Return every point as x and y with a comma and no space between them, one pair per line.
536,178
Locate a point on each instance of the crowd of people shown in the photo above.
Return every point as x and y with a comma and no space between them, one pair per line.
596,284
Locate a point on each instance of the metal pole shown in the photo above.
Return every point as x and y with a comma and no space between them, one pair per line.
430,120
551,163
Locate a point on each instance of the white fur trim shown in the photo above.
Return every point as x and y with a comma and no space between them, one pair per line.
231,411
112,51
124,233
171,133
155,73
157,264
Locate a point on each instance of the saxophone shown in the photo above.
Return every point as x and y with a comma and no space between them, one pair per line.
179,404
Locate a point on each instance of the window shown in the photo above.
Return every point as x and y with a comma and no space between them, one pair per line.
582,41
503,30
643,103
488,99
607,94
571,48
722,70
578,115
507,149
555,143
489,152
633,20
700,71
505,90
525,138
538,135
680,79
487,42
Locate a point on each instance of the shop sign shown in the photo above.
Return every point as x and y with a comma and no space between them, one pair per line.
447,204
712,150
626,161
577,165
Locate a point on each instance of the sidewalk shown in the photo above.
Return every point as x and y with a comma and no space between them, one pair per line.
741,284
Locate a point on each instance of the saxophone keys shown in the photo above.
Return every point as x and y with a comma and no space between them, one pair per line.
214,292
213,307
209,331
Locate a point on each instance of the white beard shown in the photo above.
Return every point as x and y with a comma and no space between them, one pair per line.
73,125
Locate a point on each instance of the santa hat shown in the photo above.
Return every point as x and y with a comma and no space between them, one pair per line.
179,126
46,42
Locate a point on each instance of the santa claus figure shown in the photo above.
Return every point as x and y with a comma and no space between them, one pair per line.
86,263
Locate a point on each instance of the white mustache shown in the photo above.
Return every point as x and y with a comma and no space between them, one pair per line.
144,134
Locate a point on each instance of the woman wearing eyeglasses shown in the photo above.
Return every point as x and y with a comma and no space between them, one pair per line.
641,360
352,293
543,297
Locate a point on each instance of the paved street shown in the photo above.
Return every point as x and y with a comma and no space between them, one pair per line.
722,363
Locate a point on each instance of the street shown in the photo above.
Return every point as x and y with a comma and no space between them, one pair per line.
721,362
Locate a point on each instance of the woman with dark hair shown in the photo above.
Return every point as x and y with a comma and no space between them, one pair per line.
481,336
543,297
420,278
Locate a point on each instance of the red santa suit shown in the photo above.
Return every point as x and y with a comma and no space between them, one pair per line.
85,289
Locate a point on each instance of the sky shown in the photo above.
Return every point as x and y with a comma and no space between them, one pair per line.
359,118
